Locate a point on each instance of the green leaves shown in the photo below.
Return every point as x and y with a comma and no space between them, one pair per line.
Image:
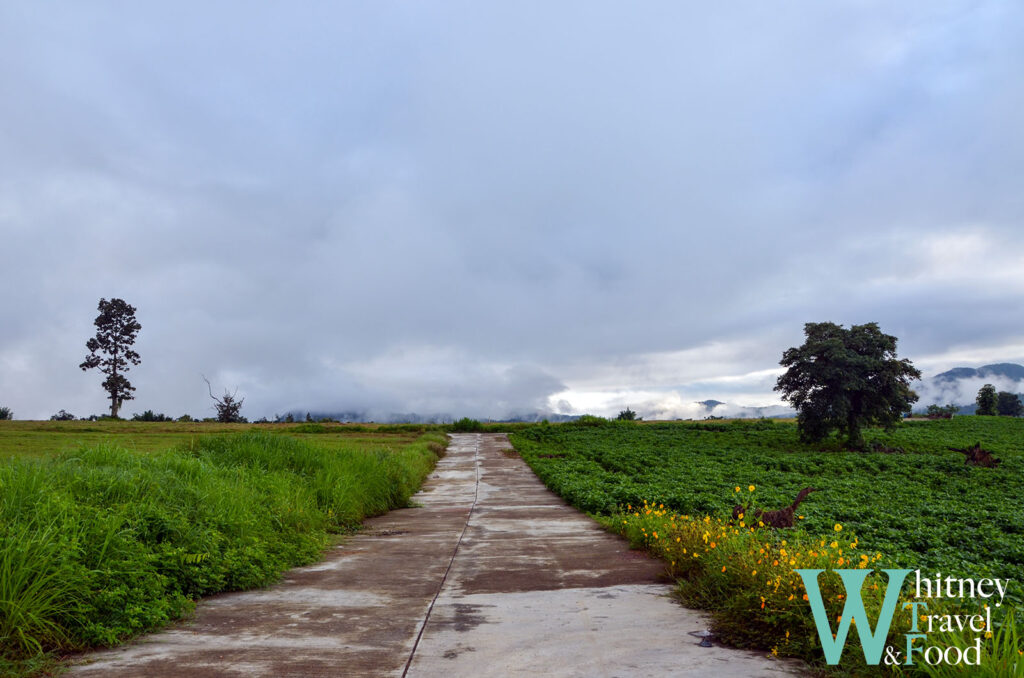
842,380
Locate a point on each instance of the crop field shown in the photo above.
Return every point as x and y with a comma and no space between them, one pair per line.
923,508
671,487
111,529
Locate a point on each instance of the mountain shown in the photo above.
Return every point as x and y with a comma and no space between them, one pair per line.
717,408
1008,370
959,386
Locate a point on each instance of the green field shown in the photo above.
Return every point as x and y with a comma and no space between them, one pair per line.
110,529
671,488
924,508
48,438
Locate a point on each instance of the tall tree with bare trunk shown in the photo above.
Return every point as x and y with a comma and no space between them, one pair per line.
111,349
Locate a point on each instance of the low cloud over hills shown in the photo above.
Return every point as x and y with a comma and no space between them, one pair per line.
960,385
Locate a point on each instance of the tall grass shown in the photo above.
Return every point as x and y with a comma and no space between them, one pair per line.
103,543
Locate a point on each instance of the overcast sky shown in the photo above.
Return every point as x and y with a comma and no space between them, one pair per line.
489,208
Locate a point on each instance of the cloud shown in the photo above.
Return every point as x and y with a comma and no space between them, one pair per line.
494,206
961,391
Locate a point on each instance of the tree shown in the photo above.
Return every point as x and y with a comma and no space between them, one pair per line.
229,407
845,379
6,414
628,415
987,400
116,330
62,416
937,411
1009,405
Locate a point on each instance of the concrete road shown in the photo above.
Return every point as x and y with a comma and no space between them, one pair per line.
490,575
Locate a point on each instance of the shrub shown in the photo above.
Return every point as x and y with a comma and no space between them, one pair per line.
628,415
149,415
62,416
466,425
6,414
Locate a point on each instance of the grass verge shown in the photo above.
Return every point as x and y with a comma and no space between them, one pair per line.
102,543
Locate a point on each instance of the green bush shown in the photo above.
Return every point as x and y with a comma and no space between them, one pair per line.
6,414
149,415
466,425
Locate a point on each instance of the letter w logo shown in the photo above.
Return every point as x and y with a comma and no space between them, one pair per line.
872,643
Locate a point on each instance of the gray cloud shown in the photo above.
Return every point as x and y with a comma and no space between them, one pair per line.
535,202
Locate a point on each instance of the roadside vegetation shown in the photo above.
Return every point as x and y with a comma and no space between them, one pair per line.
907,501
102,542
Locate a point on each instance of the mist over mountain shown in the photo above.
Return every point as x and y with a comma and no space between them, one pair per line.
999,370
960,385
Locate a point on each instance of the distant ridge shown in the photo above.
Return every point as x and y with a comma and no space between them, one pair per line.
941,388
1008,370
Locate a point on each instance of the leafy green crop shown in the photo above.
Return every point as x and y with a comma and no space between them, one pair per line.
923,508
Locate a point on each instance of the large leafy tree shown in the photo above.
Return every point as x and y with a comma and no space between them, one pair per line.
1009,404
845,379
987,400
111,349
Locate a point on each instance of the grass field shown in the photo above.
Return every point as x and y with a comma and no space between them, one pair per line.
111,529
49,438
671,487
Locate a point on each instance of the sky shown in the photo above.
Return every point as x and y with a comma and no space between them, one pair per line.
489,209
